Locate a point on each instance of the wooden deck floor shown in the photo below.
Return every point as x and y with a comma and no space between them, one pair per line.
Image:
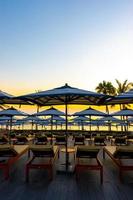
65,187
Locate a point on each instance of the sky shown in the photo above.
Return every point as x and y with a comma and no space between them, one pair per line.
47,43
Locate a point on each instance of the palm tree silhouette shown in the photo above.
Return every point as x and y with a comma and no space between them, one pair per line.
106,88
123,87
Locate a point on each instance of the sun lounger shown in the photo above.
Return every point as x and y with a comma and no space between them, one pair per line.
41,140
85,153
60,140
120,141
99,140
118,155
48,153
79,140
9,155
23,140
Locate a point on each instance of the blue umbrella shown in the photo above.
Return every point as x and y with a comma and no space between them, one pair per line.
90,112
10,112
65,95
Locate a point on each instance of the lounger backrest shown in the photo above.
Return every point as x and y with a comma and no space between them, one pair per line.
124,152
87,152
79,139
41,139
22,139
42,150
60,139
120,140
99,139
7,151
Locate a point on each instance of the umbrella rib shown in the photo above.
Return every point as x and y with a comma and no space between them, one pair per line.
48,99
89,99
72,98
28,99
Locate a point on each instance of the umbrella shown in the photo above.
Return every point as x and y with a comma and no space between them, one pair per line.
125,112
110,120
65,95
10,112
96,122
32,119
80,120
123,98
3,118
57,120
50,112
6,98
90,112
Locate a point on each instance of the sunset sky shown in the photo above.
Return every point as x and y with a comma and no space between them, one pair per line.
47,43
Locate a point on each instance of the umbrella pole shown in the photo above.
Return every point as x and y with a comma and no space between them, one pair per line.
82,125
66,117
51,128
10,130
37,112
90,123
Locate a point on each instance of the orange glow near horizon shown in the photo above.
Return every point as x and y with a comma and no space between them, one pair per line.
22,88
31,109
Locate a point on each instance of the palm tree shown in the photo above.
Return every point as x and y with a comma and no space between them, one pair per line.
123,87
106,88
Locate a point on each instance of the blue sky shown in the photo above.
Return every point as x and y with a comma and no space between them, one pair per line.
46,43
